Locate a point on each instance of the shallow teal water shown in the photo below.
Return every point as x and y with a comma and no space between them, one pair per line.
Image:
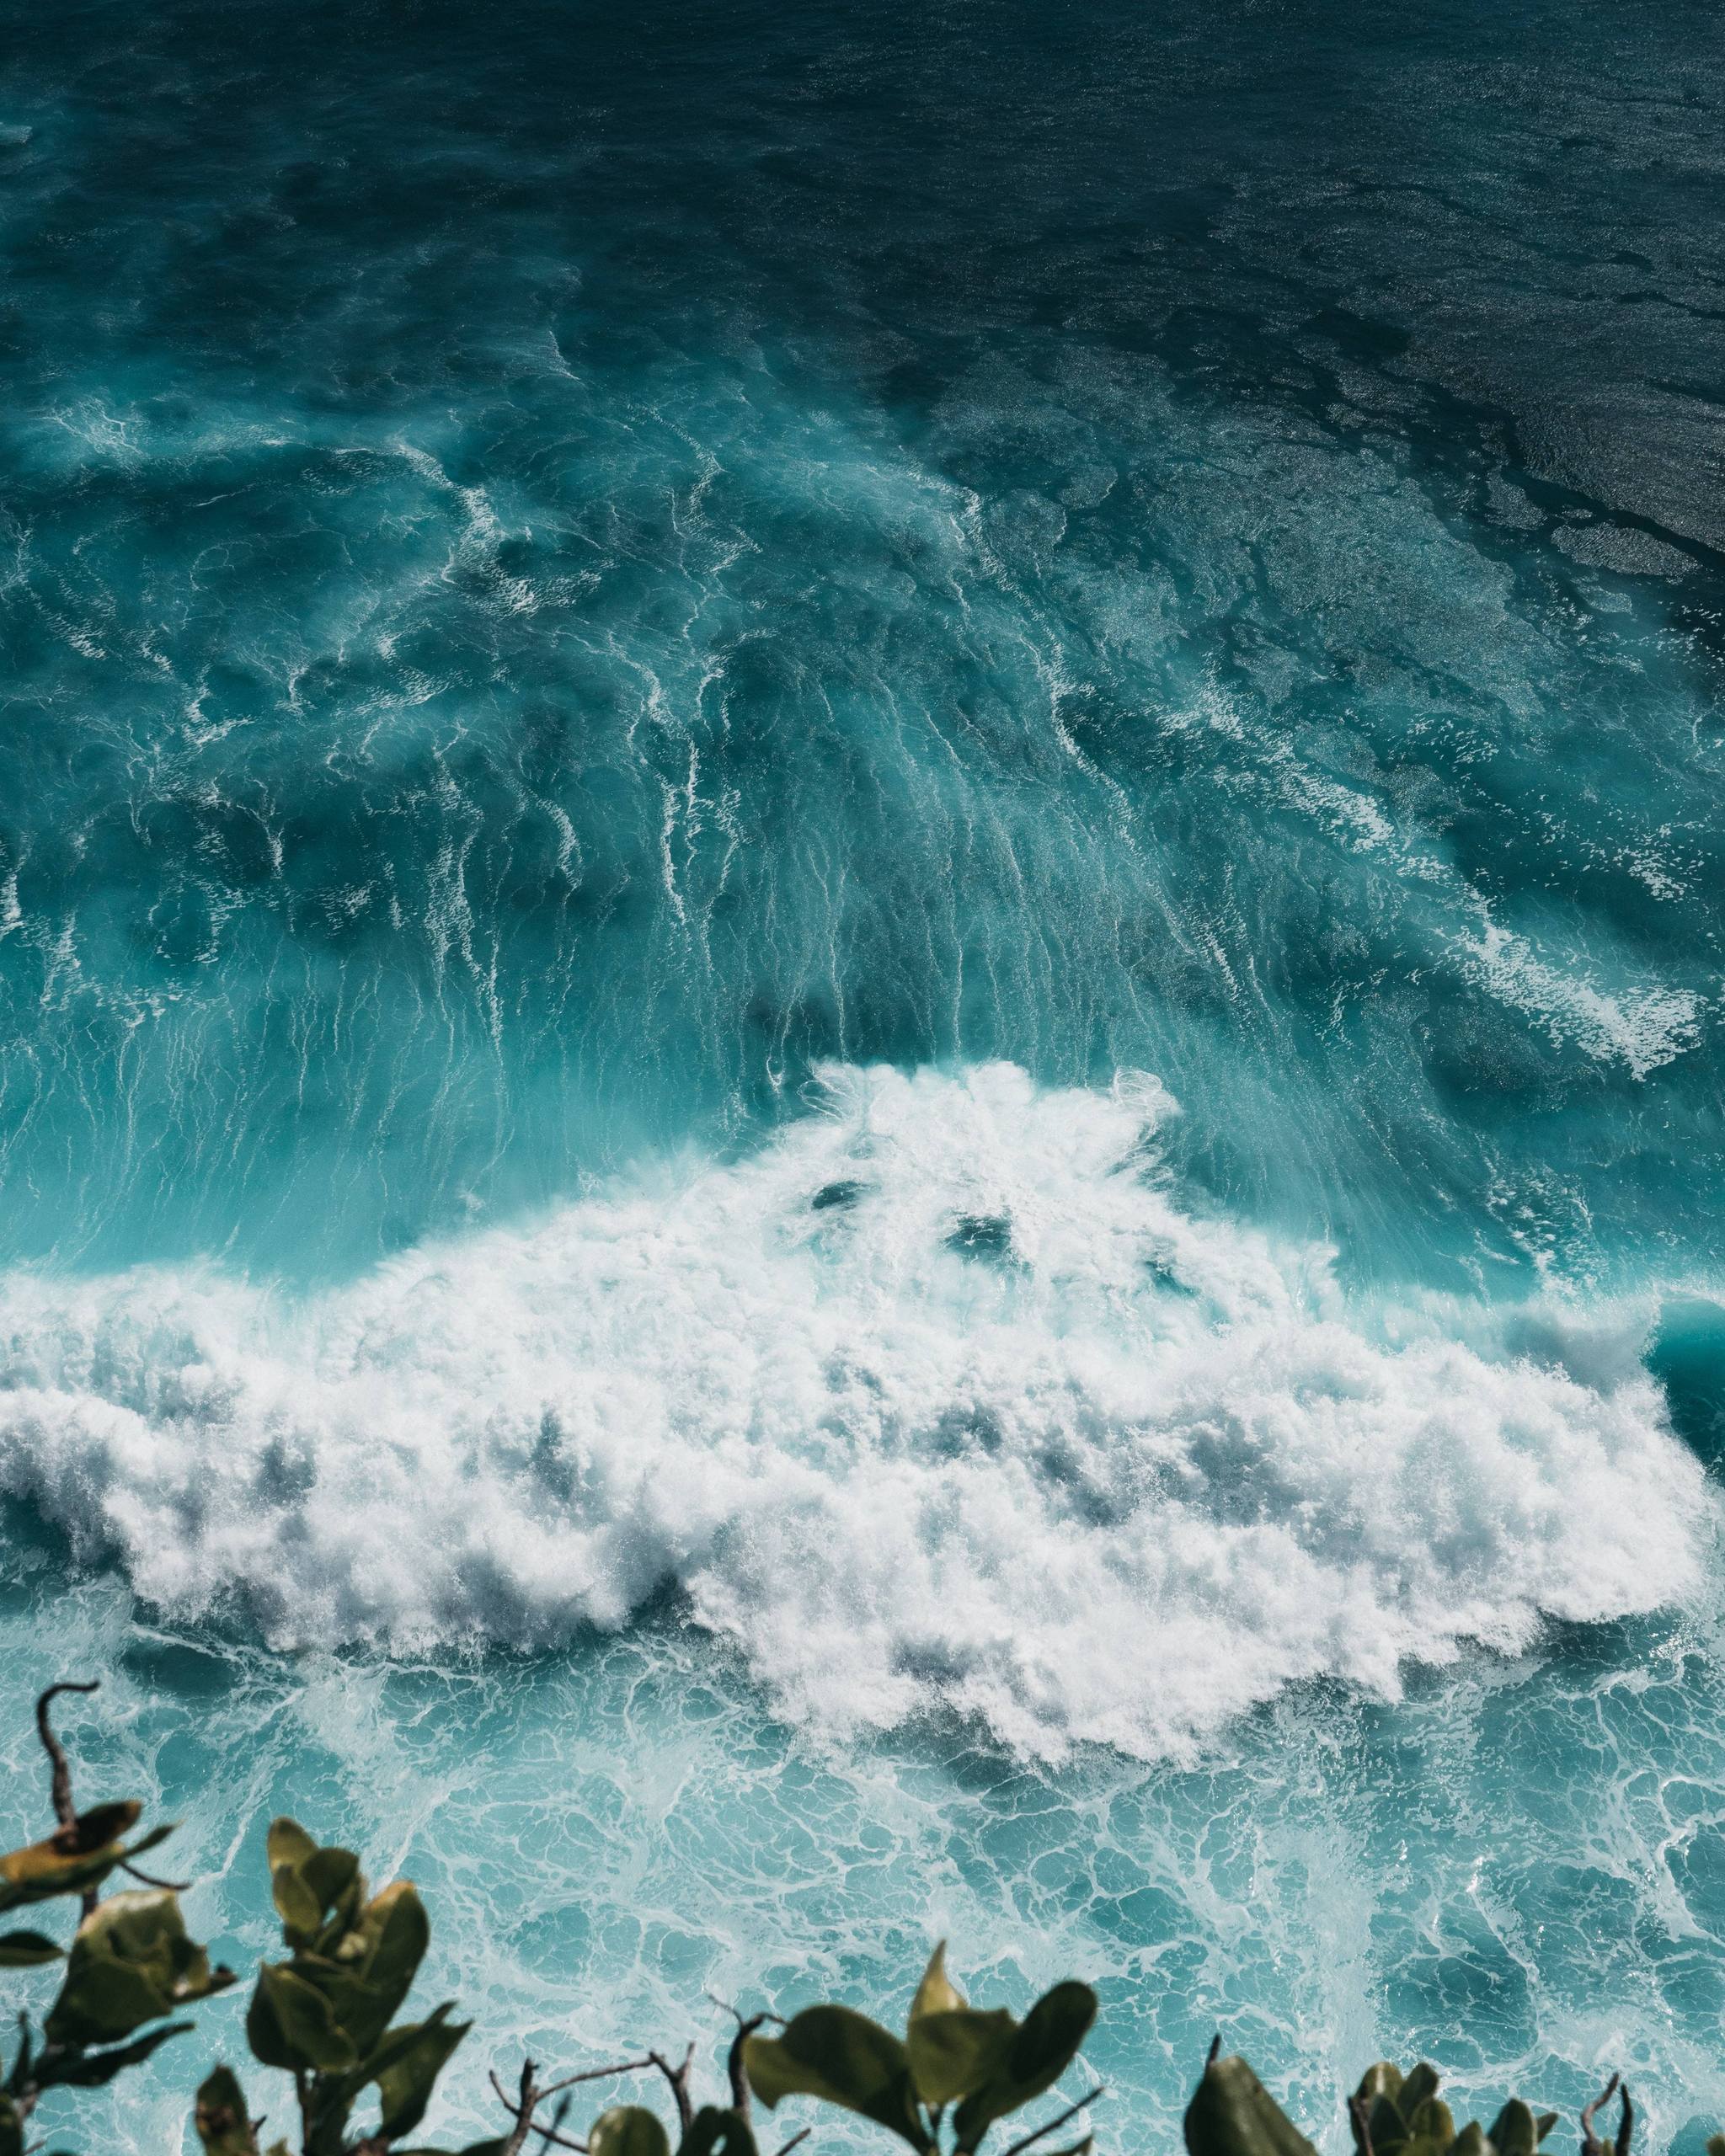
860,903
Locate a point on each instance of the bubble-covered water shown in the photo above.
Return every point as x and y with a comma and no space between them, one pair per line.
860,907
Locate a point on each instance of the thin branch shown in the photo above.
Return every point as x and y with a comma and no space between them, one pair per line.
60,1770
1589,2140
1053,2126
65,1811
554,2139
746,2026
149,1878
522,2114
1211,2055
786,2146
522,2111
678,2078
597,2073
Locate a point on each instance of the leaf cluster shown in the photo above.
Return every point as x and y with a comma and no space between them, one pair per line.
970,2065
327,2013
131,1968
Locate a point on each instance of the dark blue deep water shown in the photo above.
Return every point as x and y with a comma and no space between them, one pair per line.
861,891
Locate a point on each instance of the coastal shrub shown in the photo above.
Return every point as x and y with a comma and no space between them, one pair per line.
325,2015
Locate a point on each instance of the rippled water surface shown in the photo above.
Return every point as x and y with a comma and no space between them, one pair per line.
861,880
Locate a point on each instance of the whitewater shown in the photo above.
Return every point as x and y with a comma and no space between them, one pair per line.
938,1401
861,891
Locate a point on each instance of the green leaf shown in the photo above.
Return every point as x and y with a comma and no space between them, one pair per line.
1379,2088
1470,2141
1547,2120
937,1993
1039,2053
366,1977
1514,2131
223,2124
290,2025
28,1950
306,1883
11,2128
842,2057
96,2069
714,2133
1431,2121
1233,2114
71,1859
397,1932
131,1962
404,2085
1419,2087
627,2129
954,2053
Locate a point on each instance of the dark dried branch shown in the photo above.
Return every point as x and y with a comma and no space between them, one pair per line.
1054,2125
1590,2145
149,1878
678,2077
65,1811
529,2100
59,1767
598,2073
786,2146
746,2026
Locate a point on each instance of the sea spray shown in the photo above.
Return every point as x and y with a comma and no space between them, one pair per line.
939,1398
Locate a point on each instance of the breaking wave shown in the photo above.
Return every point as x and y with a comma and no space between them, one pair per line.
939,1399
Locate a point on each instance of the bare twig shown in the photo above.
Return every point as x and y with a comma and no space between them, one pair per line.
59,1767
746,2026
531,2097
786,2146
1215,2050
1590,2145
149,1878
1053,2126
65,1811
596,2073
678,2077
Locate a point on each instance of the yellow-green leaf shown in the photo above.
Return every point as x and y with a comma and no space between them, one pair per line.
1039,2053
27,1950
71,1859
844,2058
627,2129
224,2126
131,1962
290,2025
714,2133
1233,2114
937,1993
404,2085
952,2054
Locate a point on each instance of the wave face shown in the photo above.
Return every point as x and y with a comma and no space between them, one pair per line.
653,655
940,1399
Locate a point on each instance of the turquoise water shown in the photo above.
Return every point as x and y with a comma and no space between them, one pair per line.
860,1008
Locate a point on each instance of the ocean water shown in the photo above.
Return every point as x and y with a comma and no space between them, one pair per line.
860,890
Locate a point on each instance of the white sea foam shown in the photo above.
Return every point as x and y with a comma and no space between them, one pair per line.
940,1397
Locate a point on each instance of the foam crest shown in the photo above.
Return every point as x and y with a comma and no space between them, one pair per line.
940,1398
